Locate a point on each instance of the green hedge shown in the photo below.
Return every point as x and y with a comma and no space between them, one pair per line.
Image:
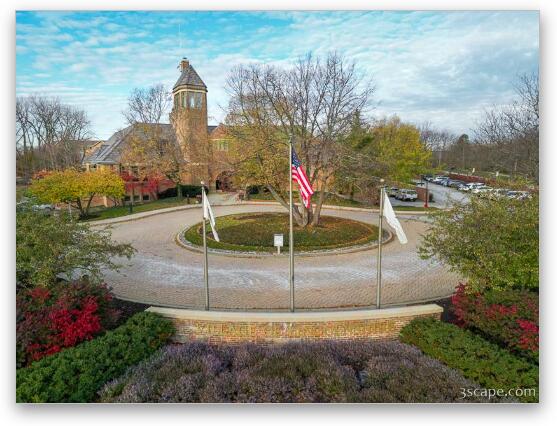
76,374
479,360
192,190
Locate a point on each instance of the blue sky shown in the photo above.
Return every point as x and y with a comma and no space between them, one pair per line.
441,67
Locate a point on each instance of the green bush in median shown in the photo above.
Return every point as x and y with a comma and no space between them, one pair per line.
479,360
76,374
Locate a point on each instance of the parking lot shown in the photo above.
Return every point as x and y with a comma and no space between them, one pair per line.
442,197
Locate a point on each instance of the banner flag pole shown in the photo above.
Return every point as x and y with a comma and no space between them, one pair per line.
291,234
379,247
205,257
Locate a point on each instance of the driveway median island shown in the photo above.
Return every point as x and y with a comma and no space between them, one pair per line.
254,232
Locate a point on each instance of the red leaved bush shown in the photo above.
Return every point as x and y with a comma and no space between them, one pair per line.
509,317
49,320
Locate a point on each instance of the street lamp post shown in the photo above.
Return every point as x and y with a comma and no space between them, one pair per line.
426,203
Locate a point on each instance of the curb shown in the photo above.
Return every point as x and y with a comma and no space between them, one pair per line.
138,216
182,242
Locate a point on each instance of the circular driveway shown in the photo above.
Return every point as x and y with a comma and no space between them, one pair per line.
165,274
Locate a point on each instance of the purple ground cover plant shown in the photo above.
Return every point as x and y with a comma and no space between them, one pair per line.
386,371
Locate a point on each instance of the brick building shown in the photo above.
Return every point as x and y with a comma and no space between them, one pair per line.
204,148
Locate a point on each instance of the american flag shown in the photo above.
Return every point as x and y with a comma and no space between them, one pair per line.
299,175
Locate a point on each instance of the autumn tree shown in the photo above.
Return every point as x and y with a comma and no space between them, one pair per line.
387,149
77,188
151,145
312,102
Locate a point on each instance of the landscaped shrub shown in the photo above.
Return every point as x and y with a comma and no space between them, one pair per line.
509,318
300,372
187,191
481,361
50,319
192,190
494,243
48,246
76,374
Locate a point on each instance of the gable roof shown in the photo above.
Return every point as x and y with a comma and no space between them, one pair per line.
105,154
189,77
110,151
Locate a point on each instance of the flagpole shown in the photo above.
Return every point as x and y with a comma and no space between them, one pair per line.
380,245
205,257
291,234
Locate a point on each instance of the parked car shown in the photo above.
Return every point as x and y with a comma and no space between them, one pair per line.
407,195
481,190
455,183
44,208
391,192
427,178
496,193
439,179
519,195
471,186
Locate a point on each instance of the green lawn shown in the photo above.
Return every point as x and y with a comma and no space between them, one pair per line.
99,213
254,232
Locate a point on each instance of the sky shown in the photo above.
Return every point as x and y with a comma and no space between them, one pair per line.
445,68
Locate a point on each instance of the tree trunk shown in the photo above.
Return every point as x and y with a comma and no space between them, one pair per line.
179,190
295,211
80,207
88,205
318,205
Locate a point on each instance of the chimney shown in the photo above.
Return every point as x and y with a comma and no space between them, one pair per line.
184,64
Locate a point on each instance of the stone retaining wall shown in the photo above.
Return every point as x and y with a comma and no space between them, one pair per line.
274,327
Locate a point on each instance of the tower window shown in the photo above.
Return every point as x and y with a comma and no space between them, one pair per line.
195,100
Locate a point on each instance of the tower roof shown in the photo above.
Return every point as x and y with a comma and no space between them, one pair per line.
189,76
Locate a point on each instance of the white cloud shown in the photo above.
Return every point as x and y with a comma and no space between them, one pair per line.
444,68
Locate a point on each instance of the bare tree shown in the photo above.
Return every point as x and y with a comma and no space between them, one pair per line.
49,135
513,131
314,102
24,138
149,145
147,105
436,140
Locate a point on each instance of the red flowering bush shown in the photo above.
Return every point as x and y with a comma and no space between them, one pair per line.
62,316
507,317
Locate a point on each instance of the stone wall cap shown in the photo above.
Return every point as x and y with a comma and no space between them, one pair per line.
286,317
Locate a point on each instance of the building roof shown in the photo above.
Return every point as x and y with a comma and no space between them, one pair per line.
109,152
105,153
189,76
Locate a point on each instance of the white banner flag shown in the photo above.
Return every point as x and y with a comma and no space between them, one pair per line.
208,214
389,215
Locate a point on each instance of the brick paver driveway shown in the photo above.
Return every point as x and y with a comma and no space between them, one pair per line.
166,274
